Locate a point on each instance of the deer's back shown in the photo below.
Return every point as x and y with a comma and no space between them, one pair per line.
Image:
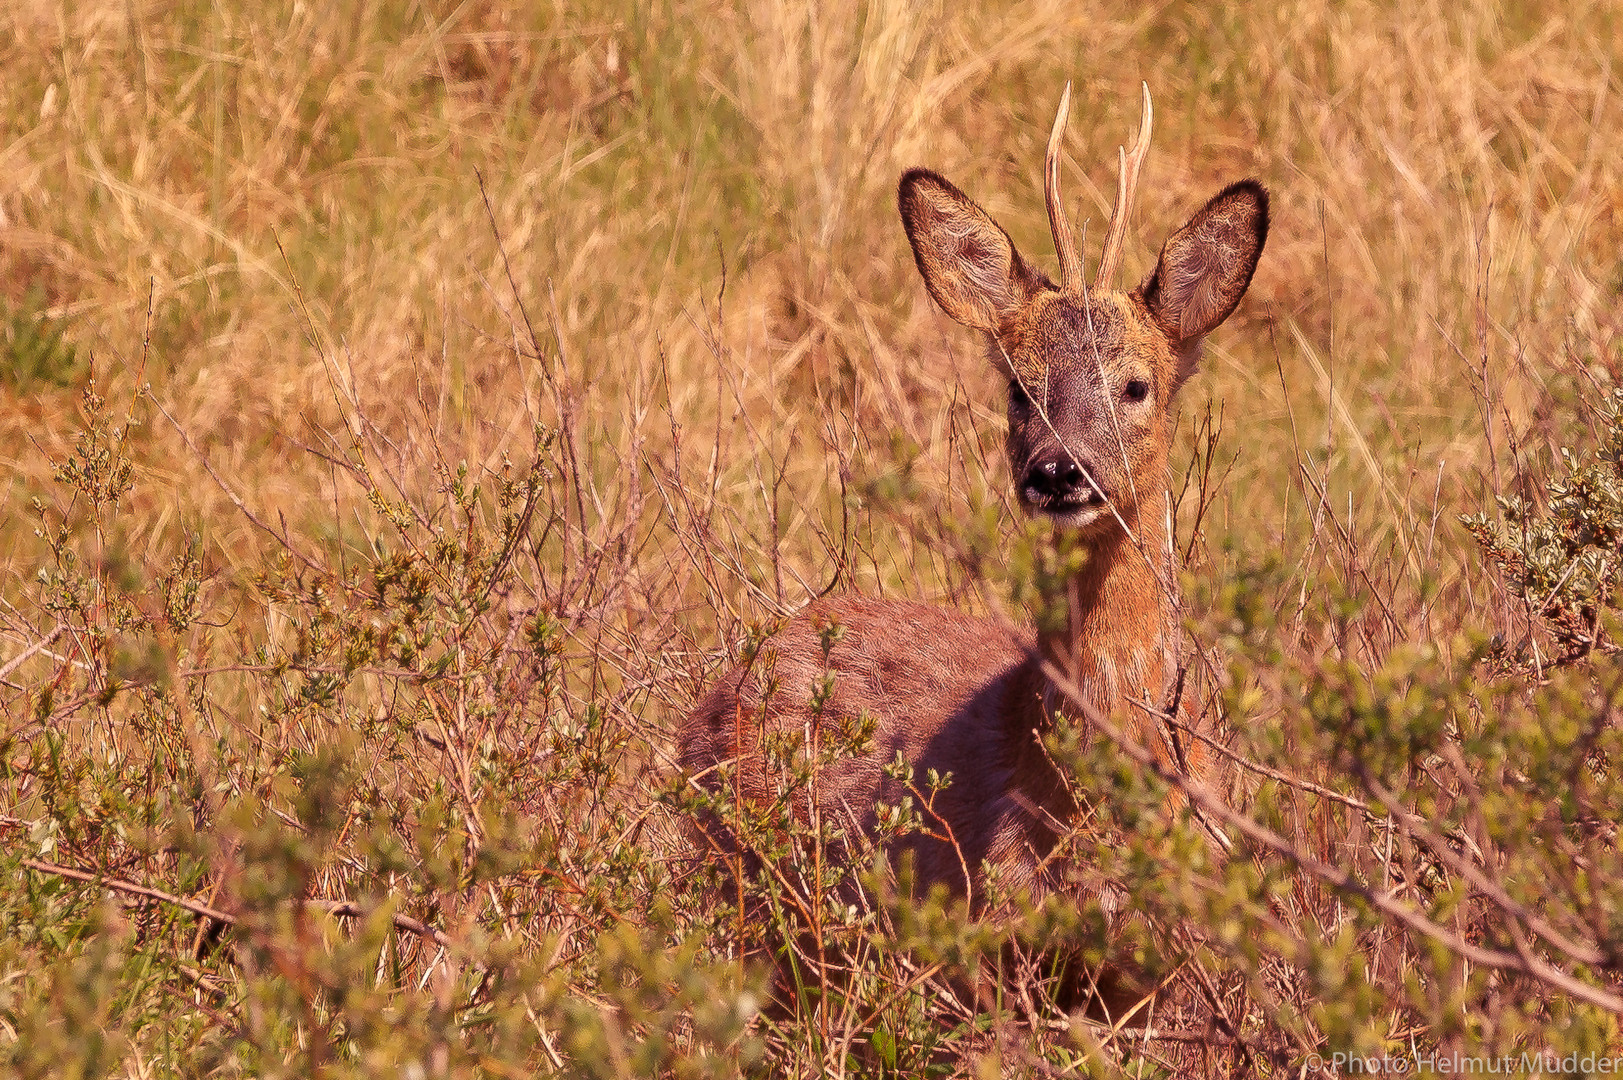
944,691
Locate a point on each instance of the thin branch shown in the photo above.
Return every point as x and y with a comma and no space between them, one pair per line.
343,909
1201,796
17,661
281,537
1579,951
1253,766
196,907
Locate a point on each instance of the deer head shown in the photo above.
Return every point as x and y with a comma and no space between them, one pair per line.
1092,372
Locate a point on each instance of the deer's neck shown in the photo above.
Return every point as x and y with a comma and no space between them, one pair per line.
1120,637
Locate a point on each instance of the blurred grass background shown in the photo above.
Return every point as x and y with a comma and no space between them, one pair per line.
294,192
310,228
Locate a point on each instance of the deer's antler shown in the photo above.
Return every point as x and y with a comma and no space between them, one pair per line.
1130,166
1070,263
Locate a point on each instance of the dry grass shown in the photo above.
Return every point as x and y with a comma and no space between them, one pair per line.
296,198
667,233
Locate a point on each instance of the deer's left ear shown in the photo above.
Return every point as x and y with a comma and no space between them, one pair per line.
1206,267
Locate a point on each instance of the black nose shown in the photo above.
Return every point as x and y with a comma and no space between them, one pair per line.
1057,479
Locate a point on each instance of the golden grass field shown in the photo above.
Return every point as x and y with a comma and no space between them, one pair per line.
322,250
296,198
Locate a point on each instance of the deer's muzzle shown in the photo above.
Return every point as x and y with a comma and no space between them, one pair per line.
1059,486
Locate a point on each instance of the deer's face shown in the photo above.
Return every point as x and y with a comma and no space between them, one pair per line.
1090,378
1092,372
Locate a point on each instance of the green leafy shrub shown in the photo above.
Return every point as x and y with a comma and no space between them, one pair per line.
1562,556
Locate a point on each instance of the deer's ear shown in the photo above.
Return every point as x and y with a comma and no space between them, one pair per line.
1206,267
969,264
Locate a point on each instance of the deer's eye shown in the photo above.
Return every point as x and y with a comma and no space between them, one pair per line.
1017,395
1137,390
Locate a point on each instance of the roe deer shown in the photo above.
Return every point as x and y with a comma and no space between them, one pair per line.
1092,375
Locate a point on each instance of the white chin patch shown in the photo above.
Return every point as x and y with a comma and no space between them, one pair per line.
1080,518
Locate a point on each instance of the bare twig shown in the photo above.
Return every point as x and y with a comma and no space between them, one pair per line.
1579,951
280,537
343,909
1201,796
17,661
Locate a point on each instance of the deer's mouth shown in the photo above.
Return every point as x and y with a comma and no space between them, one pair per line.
1074,510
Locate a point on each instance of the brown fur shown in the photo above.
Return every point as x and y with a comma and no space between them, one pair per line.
1093,375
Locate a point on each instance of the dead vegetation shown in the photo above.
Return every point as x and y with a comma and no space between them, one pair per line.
469,385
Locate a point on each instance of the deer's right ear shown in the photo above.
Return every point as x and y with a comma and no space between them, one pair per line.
968,263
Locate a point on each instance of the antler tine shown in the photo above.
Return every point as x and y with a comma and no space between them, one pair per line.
1070,263
1130,166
